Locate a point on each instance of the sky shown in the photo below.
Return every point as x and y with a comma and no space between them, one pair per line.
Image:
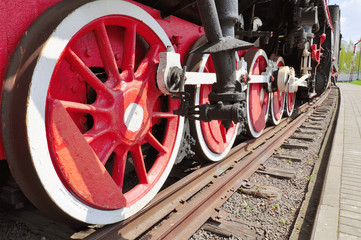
350,19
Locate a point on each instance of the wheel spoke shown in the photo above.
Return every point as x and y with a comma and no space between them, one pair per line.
139,165
217,132
103,145
120,160
85,72
223,132
130,38
81,107
155,143
106,52
164,115
148,62
89,178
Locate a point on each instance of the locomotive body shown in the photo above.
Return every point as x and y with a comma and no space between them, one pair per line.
101,98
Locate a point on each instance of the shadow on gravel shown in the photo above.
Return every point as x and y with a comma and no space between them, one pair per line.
305,232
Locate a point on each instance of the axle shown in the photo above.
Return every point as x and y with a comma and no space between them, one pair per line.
171,79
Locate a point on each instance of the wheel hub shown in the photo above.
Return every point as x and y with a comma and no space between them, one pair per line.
131,116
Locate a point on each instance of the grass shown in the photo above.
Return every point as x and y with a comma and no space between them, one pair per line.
357,82
277,208
245,205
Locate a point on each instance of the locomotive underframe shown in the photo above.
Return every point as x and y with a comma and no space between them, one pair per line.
241,36
177,29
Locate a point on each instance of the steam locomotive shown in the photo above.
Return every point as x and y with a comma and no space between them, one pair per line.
101,98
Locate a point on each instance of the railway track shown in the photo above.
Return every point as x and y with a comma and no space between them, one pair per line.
181,209
186,205
92,125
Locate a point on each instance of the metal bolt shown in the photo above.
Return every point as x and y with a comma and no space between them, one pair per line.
75,88
83,120
88,53
117,56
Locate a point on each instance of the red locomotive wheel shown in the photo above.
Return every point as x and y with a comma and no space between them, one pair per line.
290,103
257,98
277,98
217,138
213,140
99,138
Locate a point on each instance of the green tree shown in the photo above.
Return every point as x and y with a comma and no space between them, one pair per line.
357,58
346,54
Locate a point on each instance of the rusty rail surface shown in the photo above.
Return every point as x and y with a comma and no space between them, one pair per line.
189,215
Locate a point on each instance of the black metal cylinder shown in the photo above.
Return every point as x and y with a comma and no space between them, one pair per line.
225,66
226,113
228,16
209,16
224,62
309,16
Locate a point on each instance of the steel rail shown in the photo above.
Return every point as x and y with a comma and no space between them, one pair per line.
181,224
192,215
